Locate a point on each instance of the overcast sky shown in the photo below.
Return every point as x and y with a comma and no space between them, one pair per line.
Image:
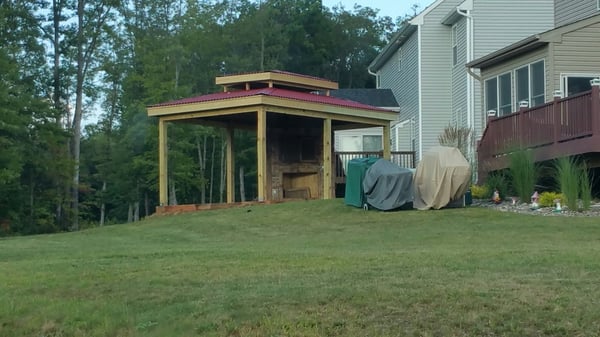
392,8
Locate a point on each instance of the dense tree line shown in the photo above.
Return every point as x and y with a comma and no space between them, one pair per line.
76,146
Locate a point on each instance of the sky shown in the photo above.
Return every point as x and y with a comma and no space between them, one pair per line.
392,8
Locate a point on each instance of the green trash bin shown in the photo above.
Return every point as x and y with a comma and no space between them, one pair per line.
355,173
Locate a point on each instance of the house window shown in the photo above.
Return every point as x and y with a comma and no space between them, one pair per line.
498,94
576,83
454,45
491,94
504,97
372,143
530,84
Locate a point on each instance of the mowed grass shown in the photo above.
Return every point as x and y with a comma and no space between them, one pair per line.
315,268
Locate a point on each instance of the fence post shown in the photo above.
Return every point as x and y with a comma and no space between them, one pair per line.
595,106
557,115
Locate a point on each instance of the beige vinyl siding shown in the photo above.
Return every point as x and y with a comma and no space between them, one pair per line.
403,80
459,77
568,11
579,52
436,72
518,62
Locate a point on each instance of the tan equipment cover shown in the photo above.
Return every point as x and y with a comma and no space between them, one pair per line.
443,175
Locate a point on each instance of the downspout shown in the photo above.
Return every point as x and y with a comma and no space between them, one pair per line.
376,77
470,84
420,79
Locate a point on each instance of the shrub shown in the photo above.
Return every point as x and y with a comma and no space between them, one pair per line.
497,181
523,173
547,199
456,136
480,192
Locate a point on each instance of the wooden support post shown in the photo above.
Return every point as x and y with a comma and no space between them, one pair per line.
557,117
387,152
327,160
595,107
261,153
162,163
230,167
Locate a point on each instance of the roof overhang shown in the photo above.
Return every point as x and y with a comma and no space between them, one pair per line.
519,48
457,13
277,78
396,42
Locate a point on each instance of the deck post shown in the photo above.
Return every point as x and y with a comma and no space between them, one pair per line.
523,127
595,107
327,162
162,163
230,166
261,152
557,115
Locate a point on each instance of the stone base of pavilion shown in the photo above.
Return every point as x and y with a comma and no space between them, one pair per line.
178,209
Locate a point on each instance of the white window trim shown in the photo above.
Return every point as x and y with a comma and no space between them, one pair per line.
529,79
563,76
512,86
598,5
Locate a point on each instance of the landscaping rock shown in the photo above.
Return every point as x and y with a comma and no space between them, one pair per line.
524,208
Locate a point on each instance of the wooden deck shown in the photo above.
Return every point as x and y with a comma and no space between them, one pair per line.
564,127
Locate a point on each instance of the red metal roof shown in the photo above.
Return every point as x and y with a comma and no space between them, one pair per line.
273,92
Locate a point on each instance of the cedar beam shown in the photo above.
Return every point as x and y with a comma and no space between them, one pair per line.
162,163
387,152
327,163
261,153
230,166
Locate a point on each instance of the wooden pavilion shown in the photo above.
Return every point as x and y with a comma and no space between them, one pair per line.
294,118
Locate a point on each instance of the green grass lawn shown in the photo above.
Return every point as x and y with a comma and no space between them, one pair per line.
315,268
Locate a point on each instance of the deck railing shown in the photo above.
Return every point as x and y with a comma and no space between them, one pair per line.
401,158
551,127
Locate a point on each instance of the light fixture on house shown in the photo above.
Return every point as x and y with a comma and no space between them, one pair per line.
524,104
491,113
595,82
557,94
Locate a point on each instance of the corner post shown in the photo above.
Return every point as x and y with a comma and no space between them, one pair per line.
557,115
327,161
595,106
162,163
261,152
230,166
387,149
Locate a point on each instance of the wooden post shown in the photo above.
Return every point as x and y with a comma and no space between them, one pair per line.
327,162
557,116
230,167
595,107
387,151
261,152
162,163
523,127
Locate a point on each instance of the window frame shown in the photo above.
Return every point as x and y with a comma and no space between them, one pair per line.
498,107
564,77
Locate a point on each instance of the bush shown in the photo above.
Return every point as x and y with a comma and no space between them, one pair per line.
497,181
523,173
547,199
480,192
574,182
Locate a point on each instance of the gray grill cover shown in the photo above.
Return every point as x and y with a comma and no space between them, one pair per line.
388,186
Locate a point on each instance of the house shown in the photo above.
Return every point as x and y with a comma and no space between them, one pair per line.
567,11
551,73
365,139
424,63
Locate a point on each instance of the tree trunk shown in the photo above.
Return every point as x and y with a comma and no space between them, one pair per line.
212,169
103,205
130,213
242,187
146,205
222,171
172,193
136,211
202,164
